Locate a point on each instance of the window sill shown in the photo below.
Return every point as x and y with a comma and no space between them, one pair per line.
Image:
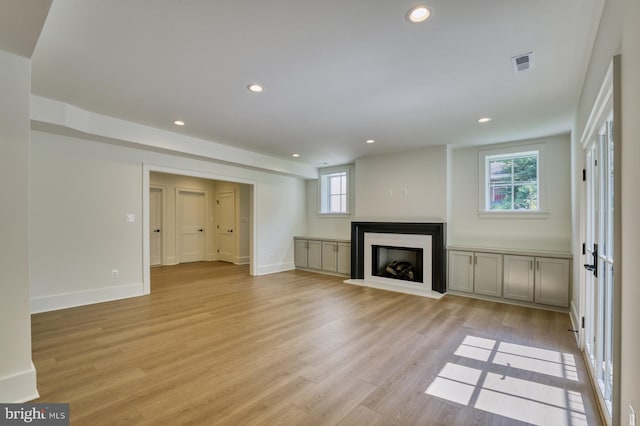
334,215
514,215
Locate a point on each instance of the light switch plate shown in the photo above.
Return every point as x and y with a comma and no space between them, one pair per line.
131,217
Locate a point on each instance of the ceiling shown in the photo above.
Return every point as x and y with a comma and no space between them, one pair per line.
335,72
20,25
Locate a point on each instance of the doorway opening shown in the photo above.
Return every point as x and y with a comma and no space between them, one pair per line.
192,217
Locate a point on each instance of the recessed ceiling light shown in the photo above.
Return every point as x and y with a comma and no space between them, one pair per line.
179,123
370,141
484,120
418,14
255,88
295,155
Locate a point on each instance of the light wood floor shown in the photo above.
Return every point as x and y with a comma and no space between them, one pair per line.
212,345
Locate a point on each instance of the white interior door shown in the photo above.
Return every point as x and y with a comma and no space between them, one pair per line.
155,226
190,218
226,206
599,260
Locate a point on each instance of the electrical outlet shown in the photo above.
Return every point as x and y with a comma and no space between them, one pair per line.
632,416
115,274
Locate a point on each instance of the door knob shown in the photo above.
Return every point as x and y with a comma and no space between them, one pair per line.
200,230
156,230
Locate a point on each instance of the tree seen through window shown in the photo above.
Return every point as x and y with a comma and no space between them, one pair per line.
513,182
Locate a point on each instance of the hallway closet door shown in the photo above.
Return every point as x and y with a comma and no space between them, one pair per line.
190,220
226,214
155,226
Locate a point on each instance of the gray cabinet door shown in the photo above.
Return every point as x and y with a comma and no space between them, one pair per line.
461,271
487,276
329,256
552,281
300,253
314,254
344,258
518,278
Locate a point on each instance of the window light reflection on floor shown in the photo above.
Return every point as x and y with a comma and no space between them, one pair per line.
537,360
455,383
524,400
476,348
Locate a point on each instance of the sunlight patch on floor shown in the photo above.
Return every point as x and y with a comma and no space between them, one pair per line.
528,401
455,383
476,348
537,360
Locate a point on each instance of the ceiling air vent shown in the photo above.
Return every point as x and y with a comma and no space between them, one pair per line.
522,62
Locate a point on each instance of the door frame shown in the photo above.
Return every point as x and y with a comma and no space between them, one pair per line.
608,100
147,168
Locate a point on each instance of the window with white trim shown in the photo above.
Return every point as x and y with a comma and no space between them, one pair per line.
334,191
511,180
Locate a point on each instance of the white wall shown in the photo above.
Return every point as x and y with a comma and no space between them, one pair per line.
82,191
410,186
17,373
619,32
550,232
324,226
606,45
630,196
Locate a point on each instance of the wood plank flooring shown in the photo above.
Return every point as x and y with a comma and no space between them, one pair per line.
212,345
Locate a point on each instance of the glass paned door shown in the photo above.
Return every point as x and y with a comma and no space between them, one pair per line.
599,259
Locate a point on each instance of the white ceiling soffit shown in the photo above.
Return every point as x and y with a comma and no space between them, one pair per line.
334,73
21,22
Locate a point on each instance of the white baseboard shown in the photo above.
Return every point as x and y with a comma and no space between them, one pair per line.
274,268
576,323
171,260
87,297
242,260
19,388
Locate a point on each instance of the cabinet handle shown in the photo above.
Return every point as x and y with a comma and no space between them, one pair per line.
470,260
538,265
475,259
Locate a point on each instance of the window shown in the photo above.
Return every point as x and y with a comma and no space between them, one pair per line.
511,180
334,191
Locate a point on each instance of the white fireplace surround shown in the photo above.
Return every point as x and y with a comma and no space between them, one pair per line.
416,241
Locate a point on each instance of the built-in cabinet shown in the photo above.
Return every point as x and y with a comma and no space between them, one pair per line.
532,279
475,272
323,255
336,257
308,254
537,279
